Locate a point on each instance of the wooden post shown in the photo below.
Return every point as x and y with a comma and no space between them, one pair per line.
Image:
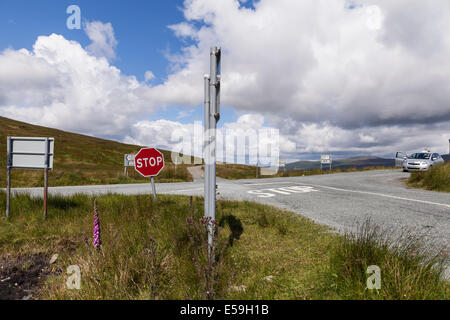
47,163
45,192
8,175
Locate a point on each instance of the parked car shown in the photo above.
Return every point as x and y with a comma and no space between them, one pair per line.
421,161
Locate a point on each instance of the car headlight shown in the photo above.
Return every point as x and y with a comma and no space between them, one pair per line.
424,163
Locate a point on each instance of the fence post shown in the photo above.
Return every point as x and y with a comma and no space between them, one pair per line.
8,175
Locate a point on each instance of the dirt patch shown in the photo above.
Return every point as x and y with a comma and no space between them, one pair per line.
402,182
196,172
66,246
20,276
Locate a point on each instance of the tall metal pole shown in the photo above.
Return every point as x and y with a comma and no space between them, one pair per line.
8,175
206,145
154,190
212,116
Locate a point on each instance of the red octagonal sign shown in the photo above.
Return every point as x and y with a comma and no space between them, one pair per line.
149,162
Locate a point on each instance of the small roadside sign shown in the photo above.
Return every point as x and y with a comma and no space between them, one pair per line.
149,162
325,159
29,153
128,161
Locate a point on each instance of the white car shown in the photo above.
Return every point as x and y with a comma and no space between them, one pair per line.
421,161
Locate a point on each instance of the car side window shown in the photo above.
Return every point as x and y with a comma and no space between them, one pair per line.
435,156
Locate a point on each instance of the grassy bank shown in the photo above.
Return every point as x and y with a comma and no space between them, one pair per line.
436,179
158,251
238,171
80,159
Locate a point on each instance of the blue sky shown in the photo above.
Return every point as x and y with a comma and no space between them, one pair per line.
141,29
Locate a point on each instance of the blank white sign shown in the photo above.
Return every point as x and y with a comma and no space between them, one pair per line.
325,159
29,153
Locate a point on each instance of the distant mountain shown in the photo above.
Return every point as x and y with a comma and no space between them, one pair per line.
359,162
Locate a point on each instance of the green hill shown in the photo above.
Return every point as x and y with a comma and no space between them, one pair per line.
357,163
79,159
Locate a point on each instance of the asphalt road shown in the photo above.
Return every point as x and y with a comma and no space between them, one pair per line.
340,200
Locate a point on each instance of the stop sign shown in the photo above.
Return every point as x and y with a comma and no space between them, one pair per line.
149,162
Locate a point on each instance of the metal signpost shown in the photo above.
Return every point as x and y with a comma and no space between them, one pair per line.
128,161
325,159
149,162
212,116
29,154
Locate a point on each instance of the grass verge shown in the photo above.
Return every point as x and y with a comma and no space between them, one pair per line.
239,171
158,251
436,179
408,268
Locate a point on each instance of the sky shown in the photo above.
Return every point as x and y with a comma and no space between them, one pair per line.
347,78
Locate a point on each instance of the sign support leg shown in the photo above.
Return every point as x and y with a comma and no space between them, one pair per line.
47,163
8,190
154,190
8,175
45,192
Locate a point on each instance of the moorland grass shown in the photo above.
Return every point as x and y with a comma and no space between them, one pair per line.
159,251
80,159
409,268
436,179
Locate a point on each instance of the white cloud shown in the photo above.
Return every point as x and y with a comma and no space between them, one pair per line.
103,39
187,138
371,77
372,66
149,76
59,84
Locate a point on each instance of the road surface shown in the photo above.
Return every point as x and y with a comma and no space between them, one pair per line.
340,200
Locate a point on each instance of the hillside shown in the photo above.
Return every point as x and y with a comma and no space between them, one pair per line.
79,159
358,163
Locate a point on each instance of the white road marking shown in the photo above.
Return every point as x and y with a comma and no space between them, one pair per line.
381,195
268,193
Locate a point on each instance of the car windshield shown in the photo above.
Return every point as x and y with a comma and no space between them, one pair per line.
420,156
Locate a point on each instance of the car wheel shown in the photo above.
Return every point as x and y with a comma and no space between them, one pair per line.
404,170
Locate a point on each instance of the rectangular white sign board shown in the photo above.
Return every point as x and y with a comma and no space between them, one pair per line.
30,153
128,160
325,159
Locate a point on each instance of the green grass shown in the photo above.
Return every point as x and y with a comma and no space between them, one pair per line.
158,251
436,179
80,159
239,171
409,269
